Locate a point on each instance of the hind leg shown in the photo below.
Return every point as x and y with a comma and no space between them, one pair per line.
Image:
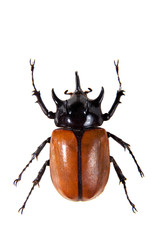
122,180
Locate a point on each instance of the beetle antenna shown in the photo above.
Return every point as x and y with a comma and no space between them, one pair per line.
117,70
89,90
32,70
68,93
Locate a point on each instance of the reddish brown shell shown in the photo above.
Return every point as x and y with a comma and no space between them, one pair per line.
94,160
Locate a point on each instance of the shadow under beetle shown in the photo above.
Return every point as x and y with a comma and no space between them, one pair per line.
79,149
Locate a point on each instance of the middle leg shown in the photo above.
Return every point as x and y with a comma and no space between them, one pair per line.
35,182
126,145
34,155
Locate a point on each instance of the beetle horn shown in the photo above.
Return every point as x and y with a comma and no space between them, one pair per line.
57,101
78,86
99,99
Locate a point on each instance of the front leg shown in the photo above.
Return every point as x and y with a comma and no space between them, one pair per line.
120,93
38,95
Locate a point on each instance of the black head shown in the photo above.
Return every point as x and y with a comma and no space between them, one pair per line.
79,111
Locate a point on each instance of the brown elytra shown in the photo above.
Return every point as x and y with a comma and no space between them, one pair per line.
79,168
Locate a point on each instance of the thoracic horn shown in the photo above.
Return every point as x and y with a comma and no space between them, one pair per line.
78,86
57,101
99,99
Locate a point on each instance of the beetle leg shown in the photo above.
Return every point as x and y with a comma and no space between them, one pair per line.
35,182
122,179
34,155
126,145
49,114
108,115
117,70
120,93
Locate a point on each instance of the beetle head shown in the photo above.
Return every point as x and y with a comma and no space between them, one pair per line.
79,111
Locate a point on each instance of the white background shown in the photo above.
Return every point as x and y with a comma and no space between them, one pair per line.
87,36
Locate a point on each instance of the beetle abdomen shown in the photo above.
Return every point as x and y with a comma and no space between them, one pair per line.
79,170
